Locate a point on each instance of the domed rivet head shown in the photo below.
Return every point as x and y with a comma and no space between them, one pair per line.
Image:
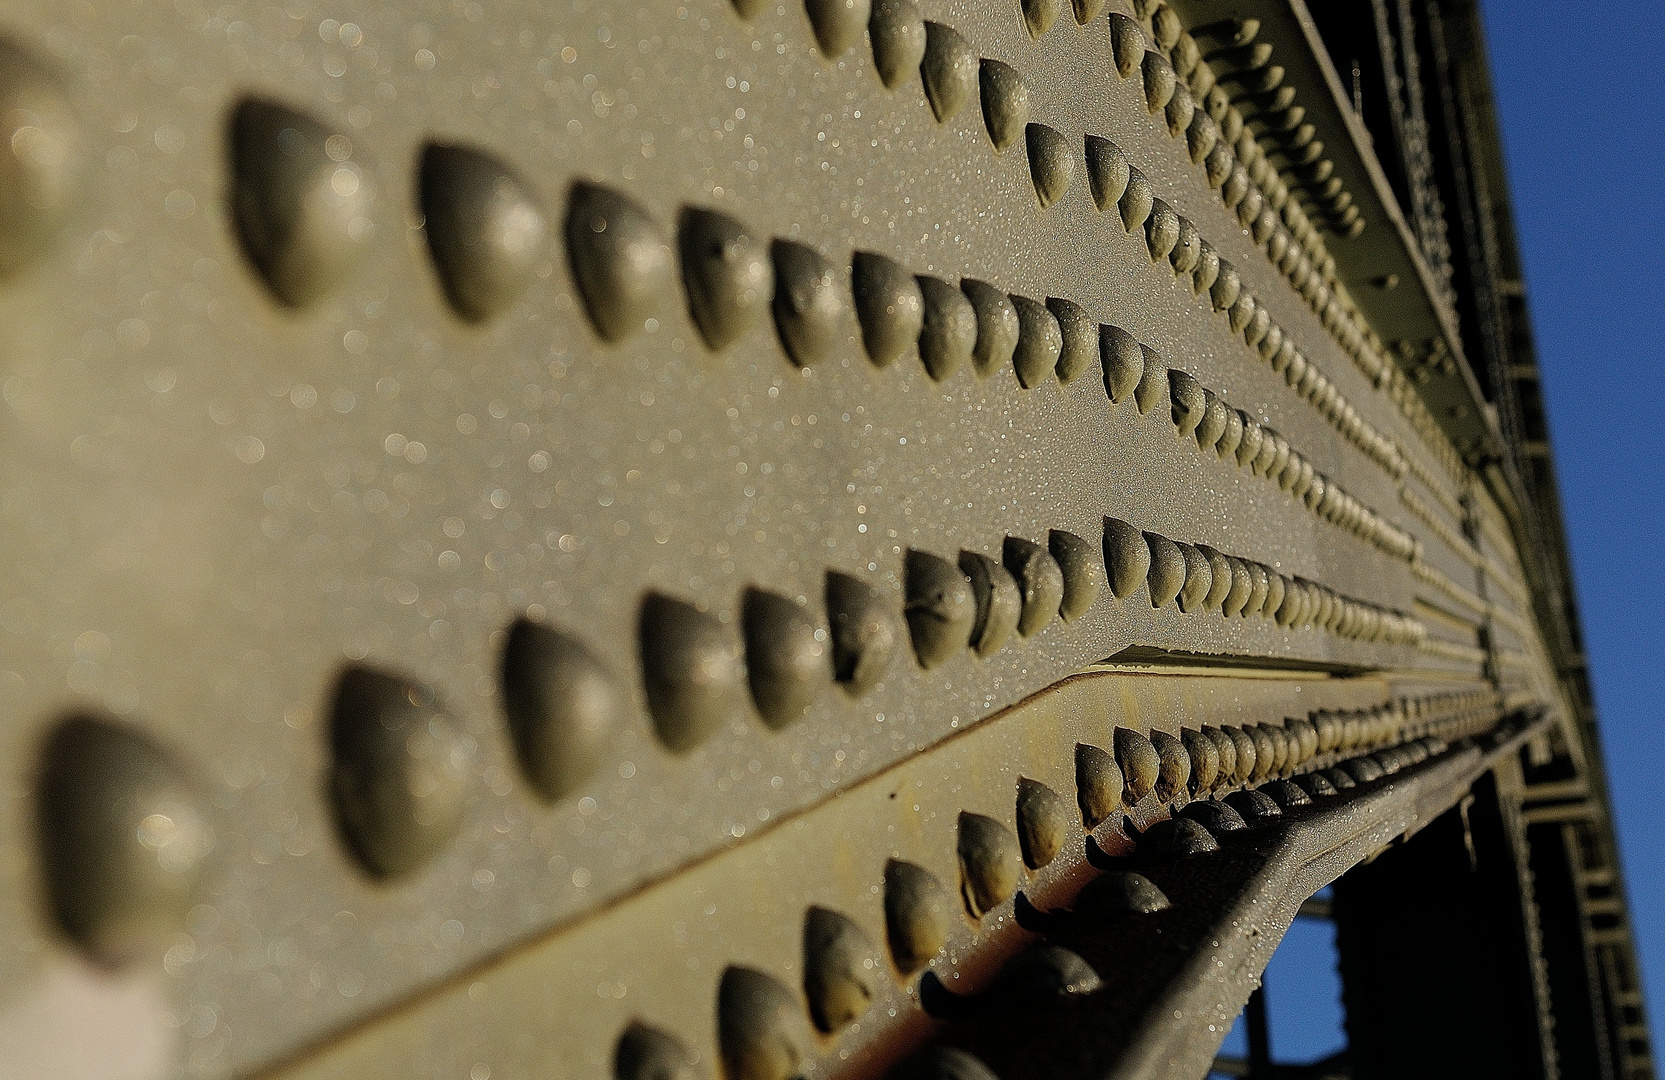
1044,971
864,633
122,836
809,302
1039,15
40,178
562,707
1235,187
401,773
1274,595
1005,102
991,863
1286,794
1226,753
1306,736
1272,342
1099,787
786,656
917,915
620,261
948,336
1255,807
1177,838
1199,578
1153,384
1087,10
1051,165
1213,422
301,202
1082,570
1140,764
1226,445
1242,585
1040,342
1118,894
998,326
1204,758
1248,447
1127,44
691,671
646,1053
1266,752
727,274
1220,575
999,602
941,1063
1165,26
1166,576
759,1027
889,306
897,32
1247,753
1161,230
1217,166
485,229
1108,171
1207,269
1160,80
1316,785
941,609
1202,134
1174,773
1339,779
839,961
1043,822
949,70
837,24
1187,249
1226,288
1214,816
1040,582
1179,110
1126,557
1249,209
1122,359
1080,337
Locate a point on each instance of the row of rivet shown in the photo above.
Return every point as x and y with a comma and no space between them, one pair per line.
1233,433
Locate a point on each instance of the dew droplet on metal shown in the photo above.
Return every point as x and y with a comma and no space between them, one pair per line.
1099,784
1082,570
897,32
839,964
1080,338
918,914
1166,575
837,24
941,609
401,773
1051,164
562,707
41,176
1040,342
1040,582
692,673
809,304
646,1053
948,336
727,274
1043,822
863,630
786,656
1005,99
998,326
1140,764
304,215
620,261
486,231
889,305
991,863
759,1027
1126,557
999,602
949,70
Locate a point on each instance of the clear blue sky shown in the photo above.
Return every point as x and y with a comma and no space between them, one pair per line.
1580,93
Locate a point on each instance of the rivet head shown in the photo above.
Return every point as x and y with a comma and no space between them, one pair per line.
1205,760
1226,445
1127,44
1118,894
1227,285
1247,754
1044,970
786,656
1039,15
918,911
562,706
1216,817
620,260
839,961
1217,166
1199,578
1213,422
40,179
1248,447
1040,342
998,326
940,607
1340,779
301,203
809,305
1082,570
941,1063
1140,764
691,671
1275,589
1166,576
1080,338
1220,578
1087,10
1242,585
1153,384
759,1027
1306,736
1137,201
1207,269
1255,807
123,839
1174,772
1107,171
485,229
1005,99
897,32
837,24
1226,750
1040,582
889,306
1051,165
1287,794
1099,786
1043,822
999,602
401,773
727,274
1270,750
1177,838
1179,110
1160,80
949,70
1122,359
948,336
863,630
646,1053
1316,785
991,863
1161,230
1126,557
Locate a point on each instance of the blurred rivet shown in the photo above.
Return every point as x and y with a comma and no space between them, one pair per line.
1086,11
1043,822
1051,165
1005,102
727,274
1316,785
562,707
917,915
948,335
991,863
1126,557
949,70
839,962
1040,342
786,656
837,24
759,1027
998,326
1140,764
486,231
999,602
809,302
941,609
691,671
645,1053
897,32
1340,779
889,306
1246,753
1226,748
620,261
1044,971
1286,794
864,632
1119,893
1174,772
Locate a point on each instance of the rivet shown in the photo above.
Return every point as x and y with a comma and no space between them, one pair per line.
1286,794
1207,270
1039,15
1044,971
917,913
1199,578
1248,448
1122,360
897,33
1226,750
691,671
1040,582
620,261
998,326
1254,807
1127,44
1204,758
1080,337
758,1027
786,656
1179,110
1140,764
1040,342
889,306
1260,587
1043,820
1082,572
1316,785
1174,774
1296,370
1086,11
122,837
1099,786
1242,585
948,335
1005,102
1190,401
1259,326
727,274
1153,384
1242,312
1266,752
1187,250
485,229
1226,288
562,707
1126,557
1220,578
1264,225
809,303
646,1053
1137,201
1306,735
941,609
1249,208
1177,838
1275,588
1160,80
304,218
1339,779
949,70
1247,754
1051,165
1161,230
941,1063
863,633
838,963
1216,817
1272,342
1202,134
837,24
1213,422
1235,187
400,771
999,602
1219,163
1232,436
991,863
1107,171
1117,894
